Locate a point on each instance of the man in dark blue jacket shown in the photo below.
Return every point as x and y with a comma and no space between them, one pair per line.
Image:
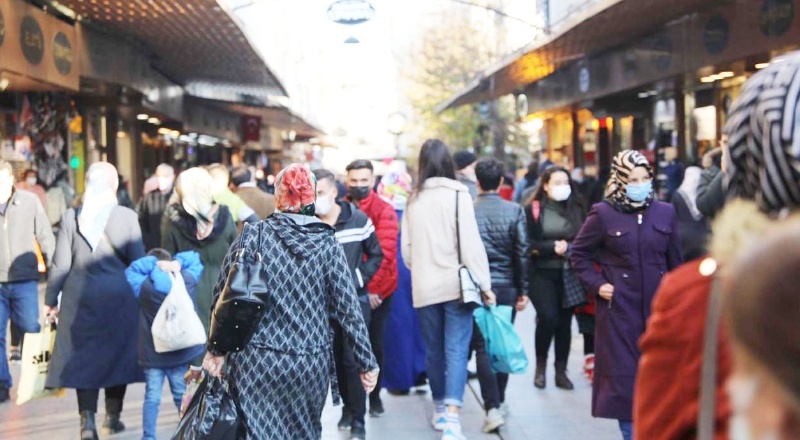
356,233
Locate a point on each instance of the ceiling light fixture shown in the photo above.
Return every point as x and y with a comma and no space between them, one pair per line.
154,121
707,79
760,66
142,116
726,74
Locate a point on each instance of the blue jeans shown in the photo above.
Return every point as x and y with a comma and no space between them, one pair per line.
626,426
154,382
20,302
447,330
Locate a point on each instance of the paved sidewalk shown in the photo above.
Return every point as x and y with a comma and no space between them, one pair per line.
535,414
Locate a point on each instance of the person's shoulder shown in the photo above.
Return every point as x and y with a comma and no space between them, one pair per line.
689,283
663,208
124,213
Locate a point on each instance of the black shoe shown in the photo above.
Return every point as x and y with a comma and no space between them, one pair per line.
376,408
112,424
399,392
346,421
88,428
4,396
357,431
15,356
562,381
539,378
471,375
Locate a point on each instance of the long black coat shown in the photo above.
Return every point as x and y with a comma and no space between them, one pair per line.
96,340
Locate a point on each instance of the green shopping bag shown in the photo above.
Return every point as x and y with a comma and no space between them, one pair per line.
503,345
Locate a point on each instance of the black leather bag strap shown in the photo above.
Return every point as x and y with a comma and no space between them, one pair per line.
706,418
458,233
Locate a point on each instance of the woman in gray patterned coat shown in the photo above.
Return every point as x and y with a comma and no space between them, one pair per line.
280,380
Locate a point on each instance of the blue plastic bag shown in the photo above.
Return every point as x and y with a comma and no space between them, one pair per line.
505,350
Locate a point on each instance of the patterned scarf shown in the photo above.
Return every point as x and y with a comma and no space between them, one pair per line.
99,200
764,137
622,165
193,193
295,190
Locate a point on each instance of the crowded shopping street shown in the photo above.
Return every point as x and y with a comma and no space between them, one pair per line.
417,219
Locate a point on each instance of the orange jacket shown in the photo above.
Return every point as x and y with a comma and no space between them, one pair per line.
667,393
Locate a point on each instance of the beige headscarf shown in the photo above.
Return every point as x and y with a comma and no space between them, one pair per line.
99,200
193,191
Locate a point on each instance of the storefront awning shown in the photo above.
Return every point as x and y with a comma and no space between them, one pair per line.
199,40
272,116
597,25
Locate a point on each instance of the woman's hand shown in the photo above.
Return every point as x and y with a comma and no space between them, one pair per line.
606,292
370,380
213,364
489,298
522,302
51,313
169,266
561,248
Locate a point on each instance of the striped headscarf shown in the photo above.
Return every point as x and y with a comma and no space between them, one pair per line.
764,137
295,190
622,165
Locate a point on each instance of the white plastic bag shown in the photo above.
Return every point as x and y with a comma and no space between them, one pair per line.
176,325
37,350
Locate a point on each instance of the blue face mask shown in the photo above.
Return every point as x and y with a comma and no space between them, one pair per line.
638,192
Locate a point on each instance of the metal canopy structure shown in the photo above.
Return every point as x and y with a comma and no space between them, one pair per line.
598,25
192,40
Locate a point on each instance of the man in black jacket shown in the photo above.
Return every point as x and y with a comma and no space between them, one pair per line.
356,233
151,207
502,228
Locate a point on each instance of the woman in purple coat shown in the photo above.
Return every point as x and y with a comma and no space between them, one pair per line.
633,238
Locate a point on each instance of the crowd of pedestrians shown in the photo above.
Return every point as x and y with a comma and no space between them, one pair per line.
686,306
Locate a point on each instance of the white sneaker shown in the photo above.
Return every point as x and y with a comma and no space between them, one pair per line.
504,410
494,420
453,432
439,419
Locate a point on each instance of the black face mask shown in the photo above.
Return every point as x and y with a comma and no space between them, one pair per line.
359,192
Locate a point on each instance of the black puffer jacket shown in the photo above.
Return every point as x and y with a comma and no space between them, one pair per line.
502,228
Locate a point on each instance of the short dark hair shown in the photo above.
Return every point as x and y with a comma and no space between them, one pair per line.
322,174
240,175
360,164
435,161
160,254
489,172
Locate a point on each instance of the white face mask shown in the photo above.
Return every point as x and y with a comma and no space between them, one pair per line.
741,392
559,193
323,205
164,183
31,181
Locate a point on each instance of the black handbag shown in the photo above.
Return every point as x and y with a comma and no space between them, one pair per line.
242,302
212,414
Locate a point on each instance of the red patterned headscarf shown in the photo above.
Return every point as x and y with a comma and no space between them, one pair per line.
295,190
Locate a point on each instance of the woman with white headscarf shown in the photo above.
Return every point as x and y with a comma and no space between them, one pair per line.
692,224
98,314
193,222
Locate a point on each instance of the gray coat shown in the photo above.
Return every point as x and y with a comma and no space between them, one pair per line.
24,220
96,341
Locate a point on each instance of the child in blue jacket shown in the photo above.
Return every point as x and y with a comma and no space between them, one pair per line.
149,276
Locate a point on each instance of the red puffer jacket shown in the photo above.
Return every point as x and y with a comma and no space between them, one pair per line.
384,217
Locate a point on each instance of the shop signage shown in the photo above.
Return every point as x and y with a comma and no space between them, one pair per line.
776,17
2,28
32,40
62,53
716,34
584,80
350,11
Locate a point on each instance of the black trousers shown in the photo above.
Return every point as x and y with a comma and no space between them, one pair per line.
377,329
493,385
87,399
16,336
552,321
348,374
588,343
